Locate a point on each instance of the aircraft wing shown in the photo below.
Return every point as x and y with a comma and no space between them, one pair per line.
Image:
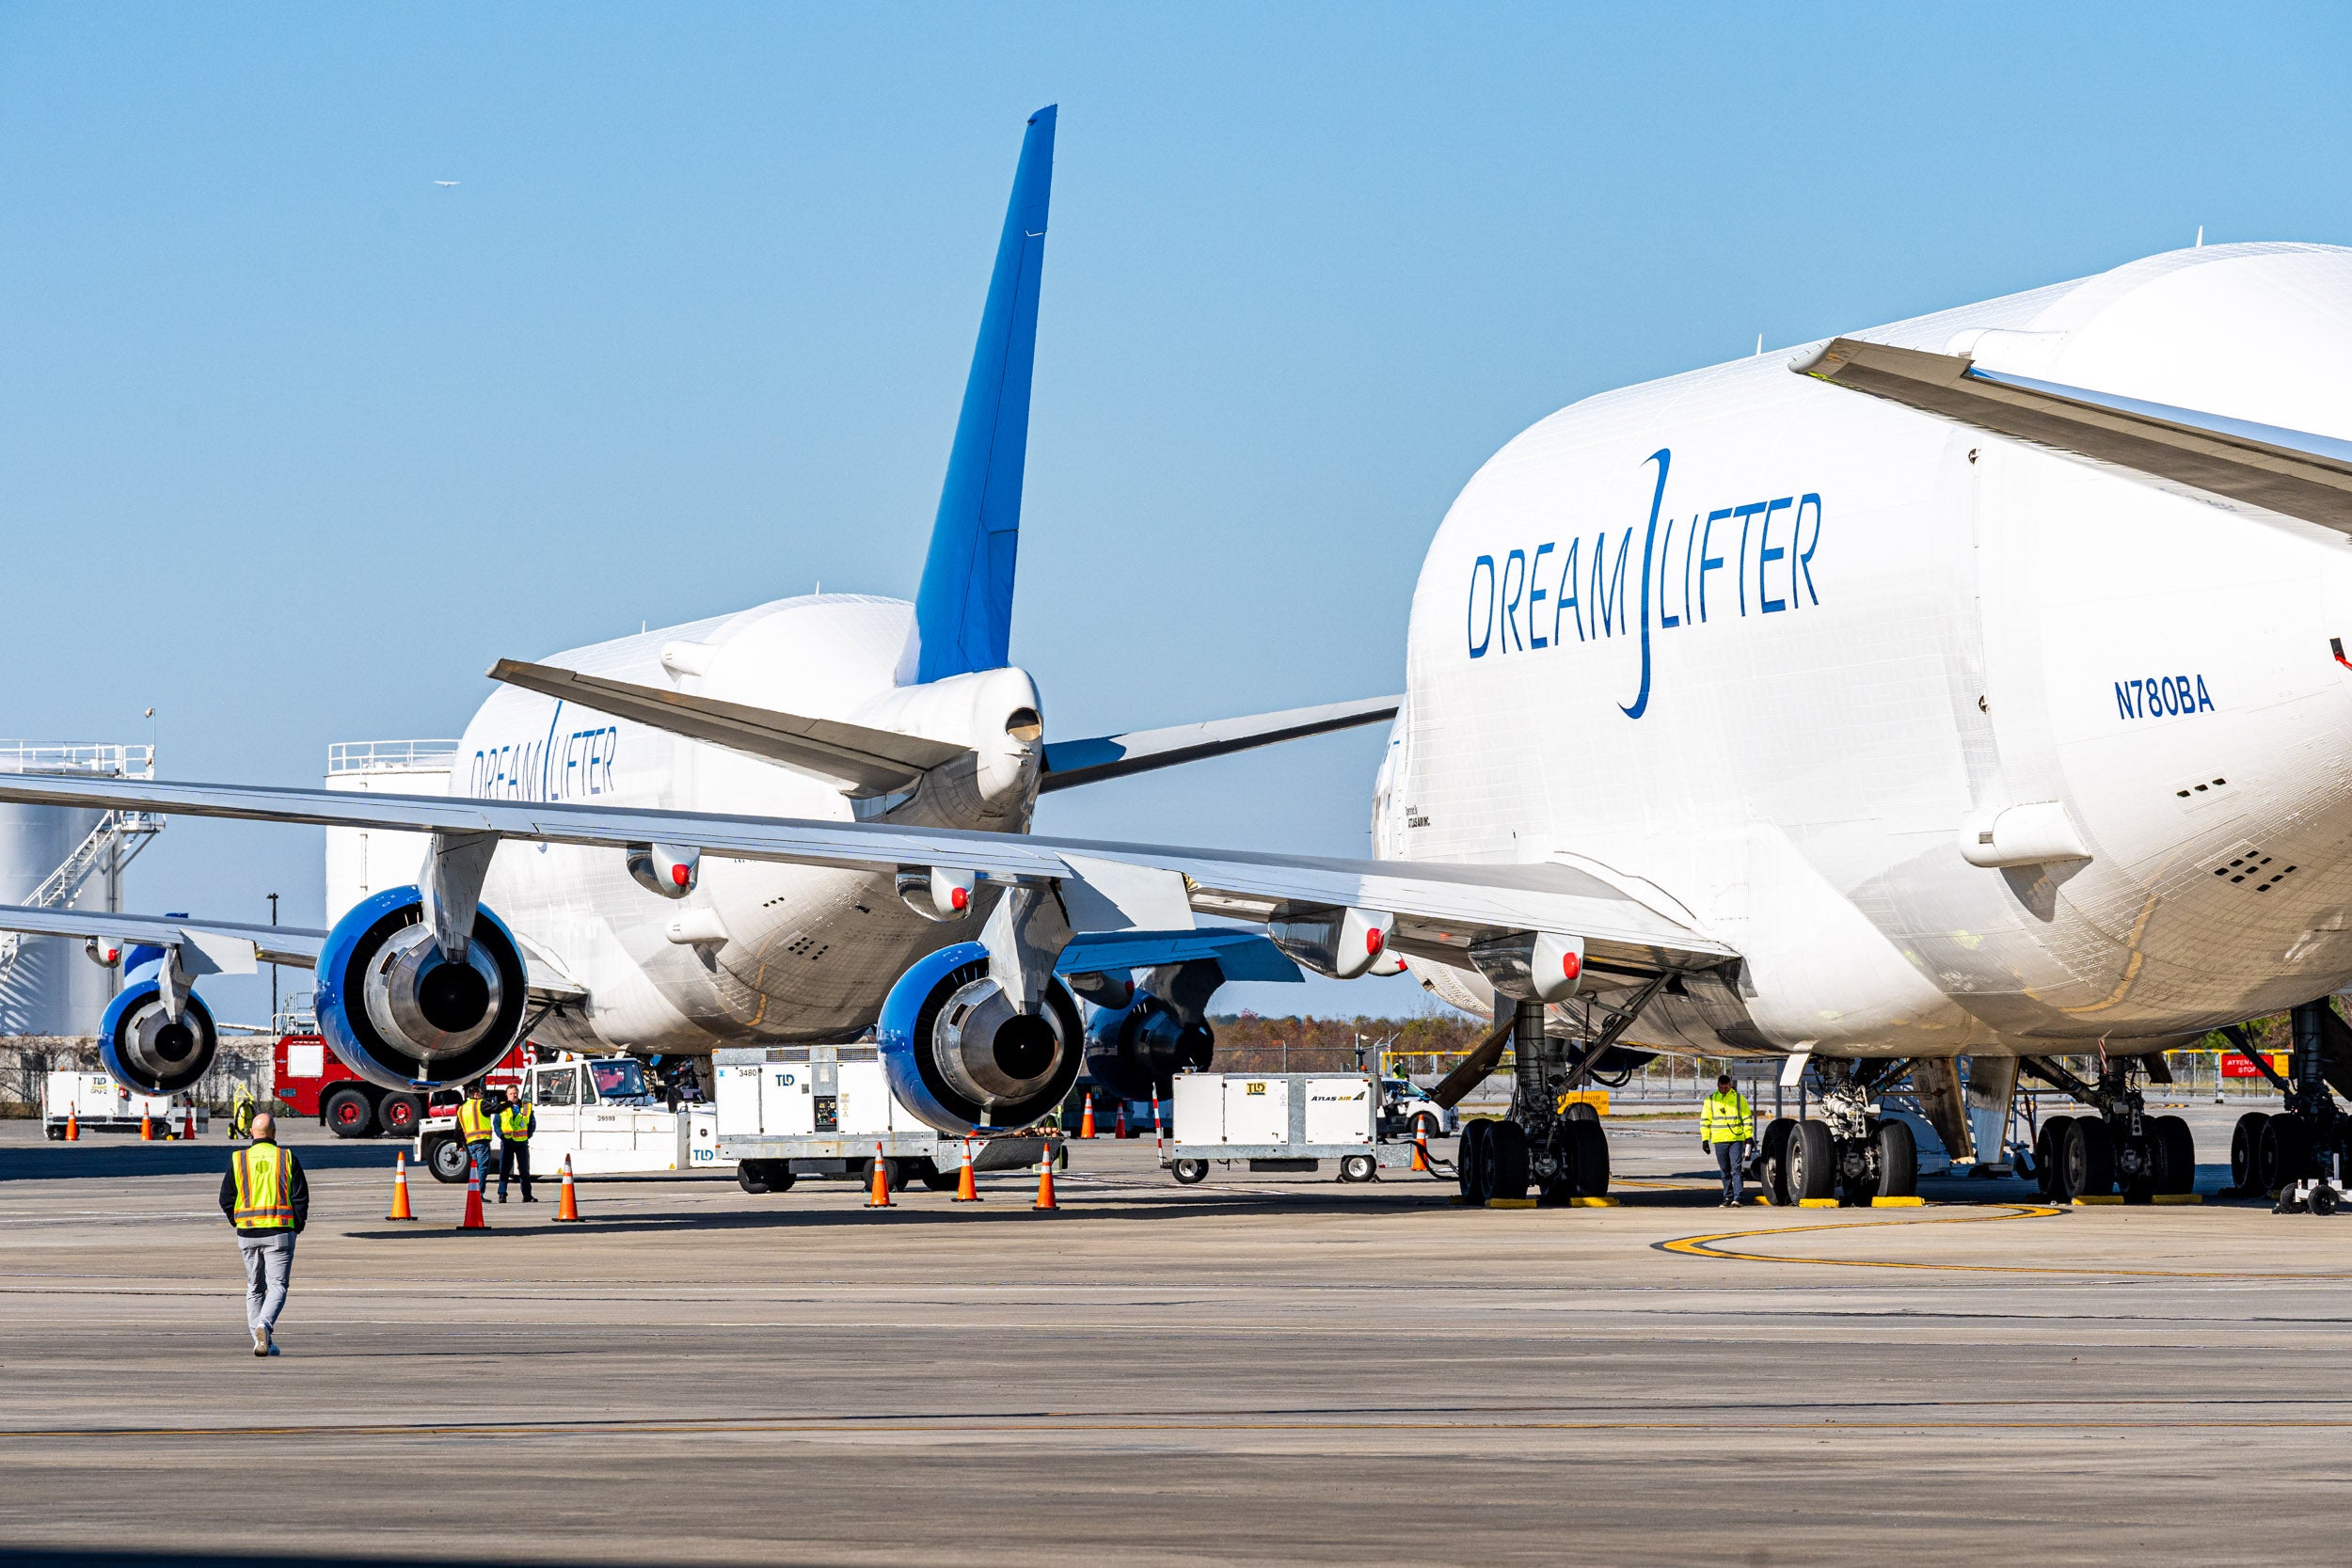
1441,908
293,945
2290,471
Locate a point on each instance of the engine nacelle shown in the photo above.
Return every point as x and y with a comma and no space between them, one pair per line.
400,1016
144,1048
959,1055
1136,1051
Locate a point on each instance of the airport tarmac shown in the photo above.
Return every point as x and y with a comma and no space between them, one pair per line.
1259,1369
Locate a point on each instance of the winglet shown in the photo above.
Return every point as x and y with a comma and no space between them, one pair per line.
963,609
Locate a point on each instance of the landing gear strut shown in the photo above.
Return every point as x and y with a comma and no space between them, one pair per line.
2300,1155
2118,1149
1846,1150
1561,1151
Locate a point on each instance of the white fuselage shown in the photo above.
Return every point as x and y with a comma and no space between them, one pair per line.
781,952
1770,695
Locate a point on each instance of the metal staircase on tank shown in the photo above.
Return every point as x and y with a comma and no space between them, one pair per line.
110,845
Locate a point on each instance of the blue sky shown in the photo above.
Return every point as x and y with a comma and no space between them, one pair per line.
294,442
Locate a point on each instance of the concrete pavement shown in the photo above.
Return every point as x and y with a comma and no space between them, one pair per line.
1259,1369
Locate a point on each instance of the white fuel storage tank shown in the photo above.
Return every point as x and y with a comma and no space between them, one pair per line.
361,860
62,857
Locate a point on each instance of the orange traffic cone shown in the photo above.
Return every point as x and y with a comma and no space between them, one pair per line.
1120,1130
73,1124
967,1189
189,1131
1085,1122
147,1128
399,1189
567,1206
473,1220
880,1197
1046,1184
1421,1150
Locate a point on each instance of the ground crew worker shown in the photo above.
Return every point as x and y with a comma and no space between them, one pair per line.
475,1121
1727,1126
241,1112
517,1121
267,1199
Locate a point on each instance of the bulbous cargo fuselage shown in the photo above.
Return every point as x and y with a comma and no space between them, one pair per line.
1763,651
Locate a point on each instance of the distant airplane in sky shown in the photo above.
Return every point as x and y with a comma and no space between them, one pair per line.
446,185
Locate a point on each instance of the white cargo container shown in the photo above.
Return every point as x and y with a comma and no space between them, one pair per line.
1280,1121
96,1104
786,1112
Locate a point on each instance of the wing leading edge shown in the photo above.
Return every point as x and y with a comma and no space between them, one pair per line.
1440,909
2294,473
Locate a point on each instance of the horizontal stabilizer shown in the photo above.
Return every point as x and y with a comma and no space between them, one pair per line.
1242,954
2289,472
1069,762
868,761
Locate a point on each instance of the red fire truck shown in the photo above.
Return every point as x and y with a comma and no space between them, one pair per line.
313,1082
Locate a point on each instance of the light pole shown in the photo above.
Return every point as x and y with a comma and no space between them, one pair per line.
273,969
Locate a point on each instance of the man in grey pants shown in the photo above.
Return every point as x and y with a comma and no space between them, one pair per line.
268,1198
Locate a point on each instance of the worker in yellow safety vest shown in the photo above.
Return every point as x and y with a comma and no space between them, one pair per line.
241,1112
267,1199
475,1123
1726,1127
517,1121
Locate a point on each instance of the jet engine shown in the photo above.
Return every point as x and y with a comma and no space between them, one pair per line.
402,1016
143,1047
1135,1052
961,1055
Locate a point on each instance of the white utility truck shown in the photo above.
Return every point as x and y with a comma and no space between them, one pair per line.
96,1104
790,1111
1281,1122
603,1113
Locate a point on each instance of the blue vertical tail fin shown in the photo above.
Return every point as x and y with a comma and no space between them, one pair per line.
963,609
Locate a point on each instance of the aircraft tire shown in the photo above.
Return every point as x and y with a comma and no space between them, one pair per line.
2088,1157
2286,1153
1899,1160
1469,1159
1812,1162
1773,1166
1588,1154
1505,1159
2176,1155
2246,1152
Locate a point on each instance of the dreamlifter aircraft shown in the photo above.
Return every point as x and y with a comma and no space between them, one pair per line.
1967,688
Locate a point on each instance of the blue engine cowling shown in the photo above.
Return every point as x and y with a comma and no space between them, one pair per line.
143,1049
958,1056
401,1017
1135,1052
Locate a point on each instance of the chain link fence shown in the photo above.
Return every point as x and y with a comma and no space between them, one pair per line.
27,1061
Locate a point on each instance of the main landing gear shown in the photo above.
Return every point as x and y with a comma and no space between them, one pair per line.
1846,1152
2119,1148
2298,1156
1562,1152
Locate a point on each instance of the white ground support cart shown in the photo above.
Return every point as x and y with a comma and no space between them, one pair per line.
96,1104
790,1111
1281,1122
602,1113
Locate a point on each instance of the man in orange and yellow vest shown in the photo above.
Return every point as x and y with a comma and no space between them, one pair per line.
267,1199
1727,1126
476,1123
